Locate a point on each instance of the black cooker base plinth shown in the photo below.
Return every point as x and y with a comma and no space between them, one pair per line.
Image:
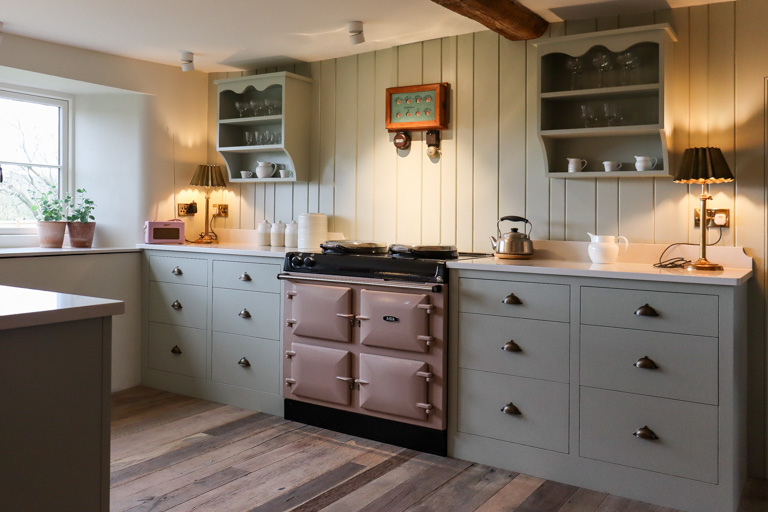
377,429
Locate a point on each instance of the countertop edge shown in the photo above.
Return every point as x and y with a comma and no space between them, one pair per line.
23,252
233,249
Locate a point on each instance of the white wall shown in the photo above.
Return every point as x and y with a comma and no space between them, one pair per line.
491,163
111,276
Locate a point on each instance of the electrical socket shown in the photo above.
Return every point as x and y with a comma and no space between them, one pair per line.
711,212
223,210
183,209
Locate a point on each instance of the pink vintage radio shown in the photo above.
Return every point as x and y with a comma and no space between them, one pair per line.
167,232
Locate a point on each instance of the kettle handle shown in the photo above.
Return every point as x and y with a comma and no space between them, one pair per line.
513,218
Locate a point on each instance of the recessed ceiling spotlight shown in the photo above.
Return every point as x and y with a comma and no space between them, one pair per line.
356,35
187,61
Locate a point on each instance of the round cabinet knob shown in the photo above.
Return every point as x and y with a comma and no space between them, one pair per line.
646,310
176,350
176,305
309,261
296,262
511,409
244,313
176,271
245,277
646,363
511,346
244,362
645,433
511,299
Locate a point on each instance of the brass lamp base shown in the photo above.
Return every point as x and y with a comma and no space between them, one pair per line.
206,239
703,264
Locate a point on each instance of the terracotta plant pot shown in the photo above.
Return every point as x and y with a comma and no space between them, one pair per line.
51,234
81,234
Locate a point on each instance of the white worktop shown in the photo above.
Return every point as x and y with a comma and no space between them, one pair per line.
227,248
22,307
19,252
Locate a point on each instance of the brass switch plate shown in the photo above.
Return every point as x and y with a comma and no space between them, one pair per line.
711,212
223,210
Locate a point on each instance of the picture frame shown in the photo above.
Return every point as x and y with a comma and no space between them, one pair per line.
418,107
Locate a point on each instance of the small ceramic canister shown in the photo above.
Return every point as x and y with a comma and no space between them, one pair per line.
277,234
262,233
292,235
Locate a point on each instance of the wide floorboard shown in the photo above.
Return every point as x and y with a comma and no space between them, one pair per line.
176,453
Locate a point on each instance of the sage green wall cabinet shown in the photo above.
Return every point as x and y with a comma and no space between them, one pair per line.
604,96
632,387
265,118
212,326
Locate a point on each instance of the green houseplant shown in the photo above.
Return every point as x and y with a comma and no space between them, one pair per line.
81,229
50,211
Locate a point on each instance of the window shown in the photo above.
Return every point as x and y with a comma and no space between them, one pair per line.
33,155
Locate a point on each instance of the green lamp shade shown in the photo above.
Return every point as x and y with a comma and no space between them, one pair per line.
208,176
703,166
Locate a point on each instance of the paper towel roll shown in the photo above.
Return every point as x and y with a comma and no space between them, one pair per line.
313,230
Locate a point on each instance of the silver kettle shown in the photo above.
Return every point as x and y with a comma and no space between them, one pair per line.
513,243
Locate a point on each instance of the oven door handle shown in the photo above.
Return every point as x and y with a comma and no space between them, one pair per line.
435,288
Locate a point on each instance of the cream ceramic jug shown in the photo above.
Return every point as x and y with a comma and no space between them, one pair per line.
645,163
604,249
265,169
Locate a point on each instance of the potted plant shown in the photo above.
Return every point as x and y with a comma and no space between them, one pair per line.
81,229
50,212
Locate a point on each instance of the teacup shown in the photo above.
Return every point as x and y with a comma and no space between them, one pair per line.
576,164
246,174
285,173
611,166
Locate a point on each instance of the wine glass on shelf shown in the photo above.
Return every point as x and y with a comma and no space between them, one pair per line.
576,67
612,113
588,115
604,63
257,107
628,61
242,107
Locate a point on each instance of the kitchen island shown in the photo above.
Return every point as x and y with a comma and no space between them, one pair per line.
55,360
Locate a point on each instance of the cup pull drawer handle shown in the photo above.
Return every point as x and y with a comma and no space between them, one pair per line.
511,346
646,363
512,299
176,305
244,313
175,350
646,310
245,363
511,409
245,277
645,433
176,271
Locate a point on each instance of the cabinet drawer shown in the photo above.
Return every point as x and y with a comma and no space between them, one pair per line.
543,407
255,277
246,362
177,349
178,304
247,313
687,433
543,346
684,313
170,269
687,365
537,301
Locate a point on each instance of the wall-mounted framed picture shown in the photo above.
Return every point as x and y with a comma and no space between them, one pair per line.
418,107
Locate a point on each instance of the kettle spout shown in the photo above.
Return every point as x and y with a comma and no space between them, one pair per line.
494,243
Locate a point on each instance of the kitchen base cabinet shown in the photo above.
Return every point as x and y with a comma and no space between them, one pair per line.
212,327
649,401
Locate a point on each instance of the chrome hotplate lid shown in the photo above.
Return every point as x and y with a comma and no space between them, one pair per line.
353,247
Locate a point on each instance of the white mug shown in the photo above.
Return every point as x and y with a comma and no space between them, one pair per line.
576,164
285,173
246,174
645,163
611,166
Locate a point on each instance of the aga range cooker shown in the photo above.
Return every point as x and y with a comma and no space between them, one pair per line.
365,341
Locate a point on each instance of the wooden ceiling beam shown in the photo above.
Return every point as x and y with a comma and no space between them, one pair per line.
506,17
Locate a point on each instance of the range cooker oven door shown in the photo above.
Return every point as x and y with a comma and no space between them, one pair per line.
395,386
398,321
319,373
323,312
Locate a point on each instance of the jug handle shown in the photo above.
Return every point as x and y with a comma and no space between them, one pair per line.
626,243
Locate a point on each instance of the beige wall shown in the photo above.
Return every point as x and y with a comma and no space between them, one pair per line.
491,163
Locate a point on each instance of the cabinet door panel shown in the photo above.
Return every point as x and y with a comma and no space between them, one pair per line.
394,320
323,312
247,313
320,373
177,349
393,386
178,304
537,301
246,362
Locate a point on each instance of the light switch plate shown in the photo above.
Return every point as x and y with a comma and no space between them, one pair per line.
711,212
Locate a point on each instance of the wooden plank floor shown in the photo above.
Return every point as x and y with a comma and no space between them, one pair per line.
176,453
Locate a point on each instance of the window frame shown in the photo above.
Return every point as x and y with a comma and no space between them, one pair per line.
10,231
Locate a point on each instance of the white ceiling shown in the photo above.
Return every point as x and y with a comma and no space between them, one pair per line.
248,34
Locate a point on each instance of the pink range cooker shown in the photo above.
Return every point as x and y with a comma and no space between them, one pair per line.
365,341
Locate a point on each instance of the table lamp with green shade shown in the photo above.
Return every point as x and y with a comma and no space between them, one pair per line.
208,175
703,166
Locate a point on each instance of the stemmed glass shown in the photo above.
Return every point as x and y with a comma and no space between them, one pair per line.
612,114
588,116
258,108
628,61
242,107
576,68
603,62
